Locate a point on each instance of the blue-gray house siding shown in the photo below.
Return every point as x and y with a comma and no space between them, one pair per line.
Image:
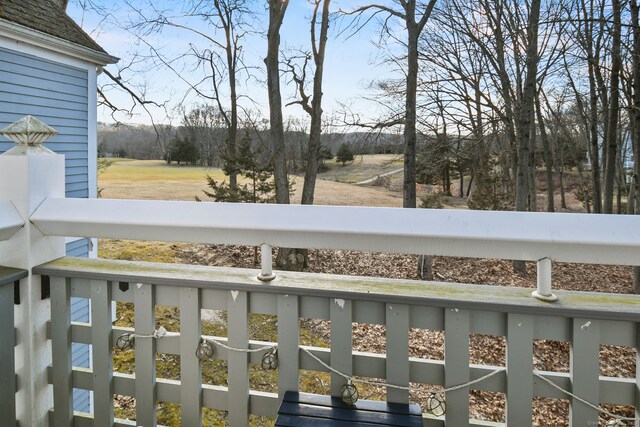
56,94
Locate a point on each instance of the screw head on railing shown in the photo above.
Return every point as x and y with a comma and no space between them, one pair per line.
436,405
270,360
205,350
349,394
28,133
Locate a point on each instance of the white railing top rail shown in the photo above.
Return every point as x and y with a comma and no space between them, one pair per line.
601,239
10,220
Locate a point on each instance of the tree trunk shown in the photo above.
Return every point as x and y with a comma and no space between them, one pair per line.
409,183
635,130
563,199
532,179
313,151
548,160
277,9
425,267
233,128
526,118
287,259
447,178
614,101
594,152
593,144
584,187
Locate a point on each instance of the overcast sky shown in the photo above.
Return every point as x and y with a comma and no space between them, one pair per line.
351,64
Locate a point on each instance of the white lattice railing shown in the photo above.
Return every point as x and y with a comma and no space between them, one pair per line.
585,320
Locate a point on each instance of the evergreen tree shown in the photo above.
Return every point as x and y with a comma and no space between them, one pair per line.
344,154
259,189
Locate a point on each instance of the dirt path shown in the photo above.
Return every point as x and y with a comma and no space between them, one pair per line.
370,180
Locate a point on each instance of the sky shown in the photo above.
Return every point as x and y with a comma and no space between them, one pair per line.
352,60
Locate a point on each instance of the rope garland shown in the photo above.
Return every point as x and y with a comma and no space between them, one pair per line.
127,341
349,392
243,350
586,402
398,387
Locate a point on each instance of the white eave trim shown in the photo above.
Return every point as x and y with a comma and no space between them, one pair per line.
53,43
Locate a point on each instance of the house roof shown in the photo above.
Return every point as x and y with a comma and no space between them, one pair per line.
49,18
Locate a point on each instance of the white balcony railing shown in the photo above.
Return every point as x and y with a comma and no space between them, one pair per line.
34,201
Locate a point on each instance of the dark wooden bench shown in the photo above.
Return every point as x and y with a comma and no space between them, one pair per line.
301,409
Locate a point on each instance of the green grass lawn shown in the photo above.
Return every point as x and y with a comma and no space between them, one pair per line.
157,170
155,180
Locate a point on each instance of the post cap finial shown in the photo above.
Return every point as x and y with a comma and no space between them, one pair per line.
28,133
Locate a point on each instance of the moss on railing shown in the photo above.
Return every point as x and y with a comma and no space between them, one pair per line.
571,303
10,275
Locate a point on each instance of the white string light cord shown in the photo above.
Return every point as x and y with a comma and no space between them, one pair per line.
158,333
126,341
399,387
161,332
586,402
244,350
464,385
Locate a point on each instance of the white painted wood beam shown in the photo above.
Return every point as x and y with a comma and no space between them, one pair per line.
560,237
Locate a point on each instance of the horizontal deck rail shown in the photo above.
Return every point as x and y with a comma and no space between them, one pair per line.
585,320
528,236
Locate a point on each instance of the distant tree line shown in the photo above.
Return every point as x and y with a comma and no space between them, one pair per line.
200,140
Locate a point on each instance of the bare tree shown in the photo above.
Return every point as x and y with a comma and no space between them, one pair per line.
414,15
277,10
220,60
614,106
312,105
206,127
288,259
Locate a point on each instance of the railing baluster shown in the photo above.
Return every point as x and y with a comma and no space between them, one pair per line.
101,340
190,368
288,341
519,411
238,362
397,320
585,371
61,351
145,349
340,313
7,354
456,356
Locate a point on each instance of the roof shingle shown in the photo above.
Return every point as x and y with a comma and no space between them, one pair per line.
45,16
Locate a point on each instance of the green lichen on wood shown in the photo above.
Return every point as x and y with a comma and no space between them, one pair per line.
310,284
